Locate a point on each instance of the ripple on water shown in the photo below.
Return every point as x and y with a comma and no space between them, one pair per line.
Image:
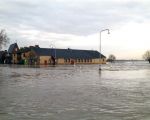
120,92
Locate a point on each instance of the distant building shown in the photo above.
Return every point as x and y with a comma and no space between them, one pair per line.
2,57
13,48
34,55
23,56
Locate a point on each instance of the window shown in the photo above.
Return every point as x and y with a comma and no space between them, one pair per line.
66,60
78,60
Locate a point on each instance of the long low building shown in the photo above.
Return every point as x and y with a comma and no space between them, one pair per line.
67,56
34,55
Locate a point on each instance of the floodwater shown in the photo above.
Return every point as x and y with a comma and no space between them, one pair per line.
121,91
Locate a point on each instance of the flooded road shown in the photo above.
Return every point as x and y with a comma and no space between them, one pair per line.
121,91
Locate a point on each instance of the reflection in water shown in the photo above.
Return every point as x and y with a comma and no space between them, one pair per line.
121,91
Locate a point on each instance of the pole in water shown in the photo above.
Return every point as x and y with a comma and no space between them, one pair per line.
100,68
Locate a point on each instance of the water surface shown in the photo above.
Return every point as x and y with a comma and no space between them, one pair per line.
121,91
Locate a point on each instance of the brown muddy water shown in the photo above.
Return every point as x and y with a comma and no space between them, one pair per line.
121,91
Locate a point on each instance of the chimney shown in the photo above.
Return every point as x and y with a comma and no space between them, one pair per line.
31,46
37,46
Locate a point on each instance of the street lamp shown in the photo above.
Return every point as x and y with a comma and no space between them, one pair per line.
100,47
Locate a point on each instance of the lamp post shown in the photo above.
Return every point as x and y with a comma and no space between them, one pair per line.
100,56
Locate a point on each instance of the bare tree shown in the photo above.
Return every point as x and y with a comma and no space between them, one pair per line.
111,58
146,55
3,38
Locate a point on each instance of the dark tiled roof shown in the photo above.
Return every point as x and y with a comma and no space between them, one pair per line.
67,53
11,47
23,50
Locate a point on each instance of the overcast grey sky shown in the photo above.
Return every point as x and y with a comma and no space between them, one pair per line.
76,24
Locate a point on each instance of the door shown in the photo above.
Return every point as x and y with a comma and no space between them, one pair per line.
45,62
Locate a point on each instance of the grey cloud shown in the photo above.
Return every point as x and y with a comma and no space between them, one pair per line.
68,17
